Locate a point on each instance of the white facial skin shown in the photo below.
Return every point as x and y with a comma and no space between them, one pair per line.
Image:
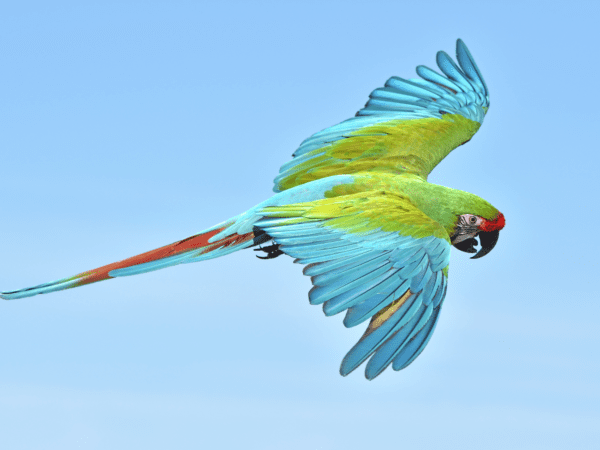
466,228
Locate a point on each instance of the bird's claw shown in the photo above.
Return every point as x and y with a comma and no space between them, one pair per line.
272,251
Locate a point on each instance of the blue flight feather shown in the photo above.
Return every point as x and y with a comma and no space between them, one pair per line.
418,282
371,340
354,296
317,259
320,268
431,75
470,68
387,352
319,294
353,269
387,292
413,348
452,71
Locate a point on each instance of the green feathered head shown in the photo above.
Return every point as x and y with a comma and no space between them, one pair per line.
465,217
475,217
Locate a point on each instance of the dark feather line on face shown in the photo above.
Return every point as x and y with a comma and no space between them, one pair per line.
464,227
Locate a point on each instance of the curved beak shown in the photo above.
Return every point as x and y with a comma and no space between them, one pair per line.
468,245
488,240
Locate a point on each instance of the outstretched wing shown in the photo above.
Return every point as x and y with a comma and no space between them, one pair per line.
406,126
375,256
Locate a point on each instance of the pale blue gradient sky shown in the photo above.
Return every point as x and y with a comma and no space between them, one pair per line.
125,126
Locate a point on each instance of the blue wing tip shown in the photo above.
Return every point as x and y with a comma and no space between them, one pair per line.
371,373
441,54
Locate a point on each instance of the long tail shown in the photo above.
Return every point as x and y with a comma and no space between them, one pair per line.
227,237
217,241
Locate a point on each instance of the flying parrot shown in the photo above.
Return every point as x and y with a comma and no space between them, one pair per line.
354,206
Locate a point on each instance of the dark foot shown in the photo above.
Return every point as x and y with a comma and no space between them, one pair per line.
272,251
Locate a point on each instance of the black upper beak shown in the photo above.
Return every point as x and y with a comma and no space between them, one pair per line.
488,240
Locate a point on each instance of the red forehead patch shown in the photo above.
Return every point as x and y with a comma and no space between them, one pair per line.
492,225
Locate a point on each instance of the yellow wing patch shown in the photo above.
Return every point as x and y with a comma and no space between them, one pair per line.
397,146
362,212
383,315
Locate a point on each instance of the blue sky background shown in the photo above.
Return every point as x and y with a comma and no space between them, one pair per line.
125,126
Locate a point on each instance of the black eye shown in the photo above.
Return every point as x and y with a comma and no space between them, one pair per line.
472,220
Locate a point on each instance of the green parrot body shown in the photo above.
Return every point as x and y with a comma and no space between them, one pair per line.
354,206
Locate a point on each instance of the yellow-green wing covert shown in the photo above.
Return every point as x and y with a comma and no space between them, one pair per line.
408,126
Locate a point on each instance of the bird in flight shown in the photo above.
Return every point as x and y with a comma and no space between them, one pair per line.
354,206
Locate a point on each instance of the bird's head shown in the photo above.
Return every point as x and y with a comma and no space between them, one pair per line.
470,226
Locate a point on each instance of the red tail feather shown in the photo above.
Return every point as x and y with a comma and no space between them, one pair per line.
185,245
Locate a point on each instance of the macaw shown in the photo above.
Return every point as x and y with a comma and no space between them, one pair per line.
354,206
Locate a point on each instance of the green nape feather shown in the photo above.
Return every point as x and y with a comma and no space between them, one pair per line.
440,203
